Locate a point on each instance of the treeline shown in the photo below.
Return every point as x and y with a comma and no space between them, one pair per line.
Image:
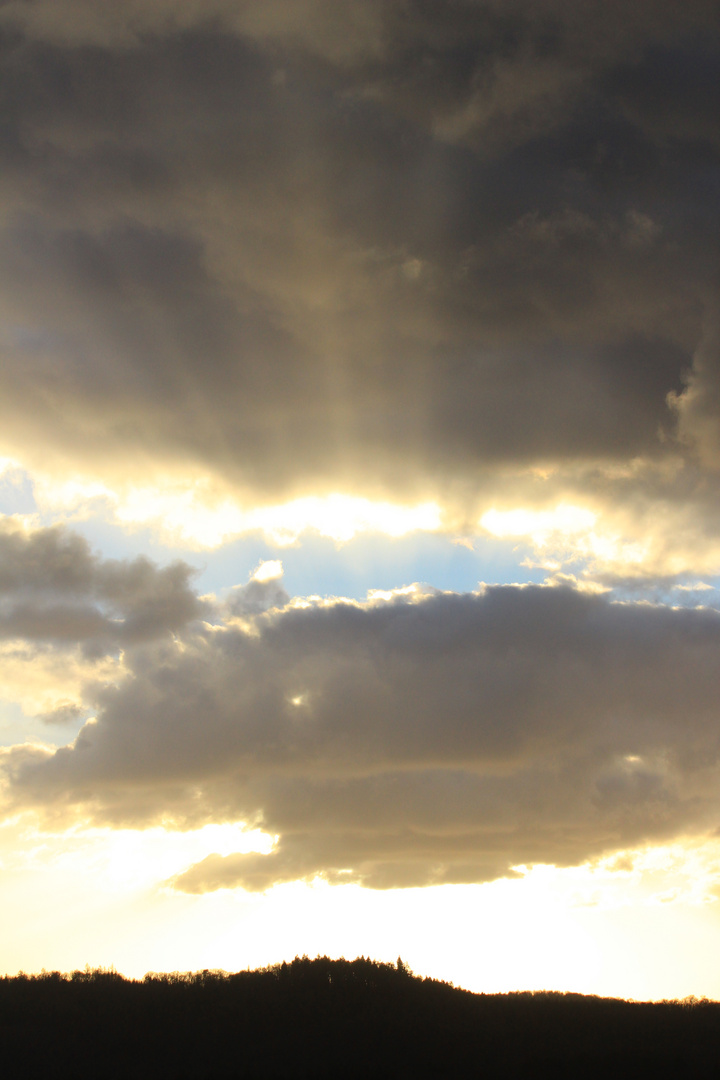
337,1018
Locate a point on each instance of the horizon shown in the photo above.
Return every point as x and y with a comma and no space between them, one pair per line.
359,487
89,974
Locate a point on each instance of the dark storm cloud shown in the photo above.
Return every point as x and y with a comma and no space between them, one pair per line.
377,246
54,589
443,738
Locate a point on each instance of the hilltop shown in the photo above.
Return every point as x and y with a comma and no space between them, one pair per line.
339,1018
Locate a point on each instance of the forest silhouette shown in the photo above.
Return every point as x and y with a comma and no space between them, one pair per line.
339,1018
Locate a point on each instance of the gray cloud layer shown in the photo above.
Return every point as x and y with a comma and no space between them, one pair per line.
54,589
377,246
444,738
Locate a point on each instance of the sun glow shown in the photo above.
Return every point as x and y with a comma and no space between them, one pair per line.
591,929
129,859
339,517
570,533
193,513
565,520
41,681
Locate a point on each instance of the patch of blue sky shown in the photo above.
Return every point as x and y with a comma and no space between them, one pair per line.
319,566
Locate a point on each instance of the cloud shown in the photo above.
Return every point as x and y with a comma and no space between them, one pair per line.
698,406
373,265
44,677
55,590
294,250
432,737
263,591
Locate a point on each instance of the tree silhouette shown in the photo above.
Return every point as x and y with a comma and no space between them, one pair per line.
336,1018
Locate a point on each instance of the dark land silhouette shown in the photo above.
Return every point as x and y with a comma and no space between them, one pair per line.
339,1018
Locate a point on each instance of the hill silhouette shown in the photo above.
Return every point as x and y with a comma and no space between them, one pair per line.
339,1018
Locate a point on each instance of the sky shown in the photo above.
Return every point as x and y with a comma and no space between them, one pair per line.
360,488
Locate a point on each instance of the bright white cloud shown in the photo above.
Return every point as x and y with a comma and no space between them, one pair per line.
539,525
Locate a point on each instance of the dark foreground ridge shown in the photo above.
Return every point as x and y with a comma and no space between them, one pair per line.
339,1018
